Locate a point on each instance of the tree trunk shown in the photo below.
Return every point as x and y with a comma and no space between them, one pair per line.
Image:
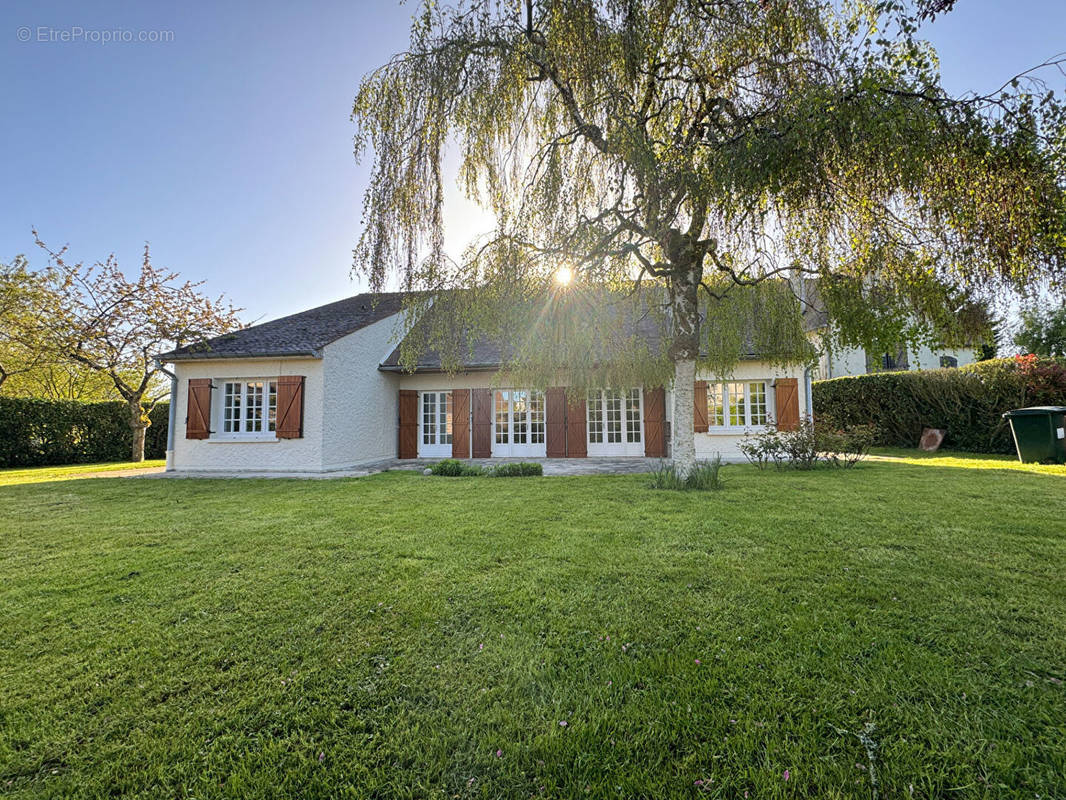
138,424
683,438
684,309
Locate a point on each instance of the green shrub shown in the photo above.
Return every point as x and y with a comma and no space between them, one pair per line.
453,468
36,433
967,402
449,468
706,475
807,446
846,448
520,469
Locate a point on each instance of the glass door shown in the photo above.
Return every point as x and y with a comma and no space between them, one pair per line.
435,425
518,424
615,422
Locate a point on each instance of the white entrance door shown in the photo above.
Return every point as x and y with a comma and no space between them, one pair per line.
435,425
518,424
615,422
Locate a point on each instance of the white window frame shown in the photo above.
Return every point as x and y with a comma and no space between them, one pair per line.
507,447
242,434
436,448
724,390
624,447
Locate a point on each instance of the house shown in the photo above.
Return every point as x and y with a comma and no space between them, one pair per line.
324,390
856,361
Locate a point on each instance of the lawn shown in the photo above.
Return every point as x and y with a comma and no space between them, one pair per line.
410,636
11,477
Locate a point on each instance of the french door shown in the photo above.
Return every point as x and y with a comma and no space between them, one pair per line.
435,425
518,423
615,422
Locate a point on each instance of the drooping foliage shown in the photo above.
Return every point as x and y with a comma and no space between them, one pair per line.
680,154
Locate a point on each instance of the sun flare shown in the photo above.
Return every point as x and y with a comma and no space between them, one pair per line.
564,276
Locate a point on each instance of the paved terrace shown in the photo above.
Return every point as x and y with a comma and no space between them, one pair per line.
552,466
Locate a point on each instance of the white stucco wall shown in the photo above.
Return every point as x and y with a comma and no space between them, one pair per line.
852,360
276,455
360,410
727,442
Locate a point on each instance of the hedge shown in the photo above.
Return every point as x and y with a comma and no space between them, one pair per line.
967,402
35,433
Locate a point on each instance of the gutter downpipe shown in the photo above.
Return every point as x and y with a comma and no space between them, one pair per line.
808,392
172,414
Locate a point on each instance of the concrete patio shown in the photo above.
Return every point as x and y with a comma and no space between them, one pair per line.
552,466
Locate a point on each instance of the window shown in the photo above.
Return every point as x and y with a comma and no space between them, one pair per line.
595,418
737,404
503,403
949,362
536,418
633,416
249,407
436,418
757,403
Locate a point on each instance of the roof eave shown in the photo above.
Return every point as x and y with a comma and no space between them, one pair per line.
170,358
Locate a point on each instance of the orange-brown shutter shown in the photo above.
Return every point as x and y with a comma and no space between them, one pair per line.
786,400
460,423
555,420
290,419
655,422
481,400
699,407
576,431
198,413
408,446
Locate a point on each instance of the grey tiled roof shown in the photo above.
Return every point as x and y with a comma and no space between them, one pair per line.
303,334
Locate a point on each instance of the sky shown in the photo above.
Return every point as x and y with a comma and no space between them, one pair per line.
219,132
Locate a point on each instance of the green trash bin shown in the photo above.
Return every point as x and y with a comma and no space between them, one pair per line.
1039,433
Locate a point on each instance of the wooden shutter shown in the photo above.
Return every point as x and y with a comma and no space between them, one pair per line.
290,419
555,421
699,402
408,443
198,413
786,401
460,423
576,432
482,438
655,422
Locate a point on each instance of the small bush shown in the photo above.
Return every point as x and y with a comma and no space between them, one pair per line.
448,468
520,469
846,448
706,475
764,448
800,446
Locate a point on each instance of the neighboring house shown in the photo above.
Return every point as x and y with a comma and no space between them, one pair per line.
323,390
856,361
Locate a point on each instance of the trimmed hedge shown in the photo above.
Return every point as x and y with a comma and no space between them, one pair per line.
37,433
968,402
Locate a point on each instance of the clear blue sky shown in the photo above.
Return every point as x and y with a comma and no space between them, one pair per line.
229,148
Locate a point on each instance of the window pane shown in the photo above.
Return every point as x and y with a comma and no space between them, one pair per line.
757,403
633,416
613,408
536,418
715,404
272,406
595,417
445,417
735,398
429,418
253,410
520,403
503,402
231,408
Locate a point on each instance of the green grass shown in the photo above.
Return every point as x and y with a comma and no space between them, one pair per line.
11,477
387,636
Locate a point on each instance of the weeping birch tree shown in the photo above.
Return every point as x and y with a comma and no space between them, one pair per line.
715,166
